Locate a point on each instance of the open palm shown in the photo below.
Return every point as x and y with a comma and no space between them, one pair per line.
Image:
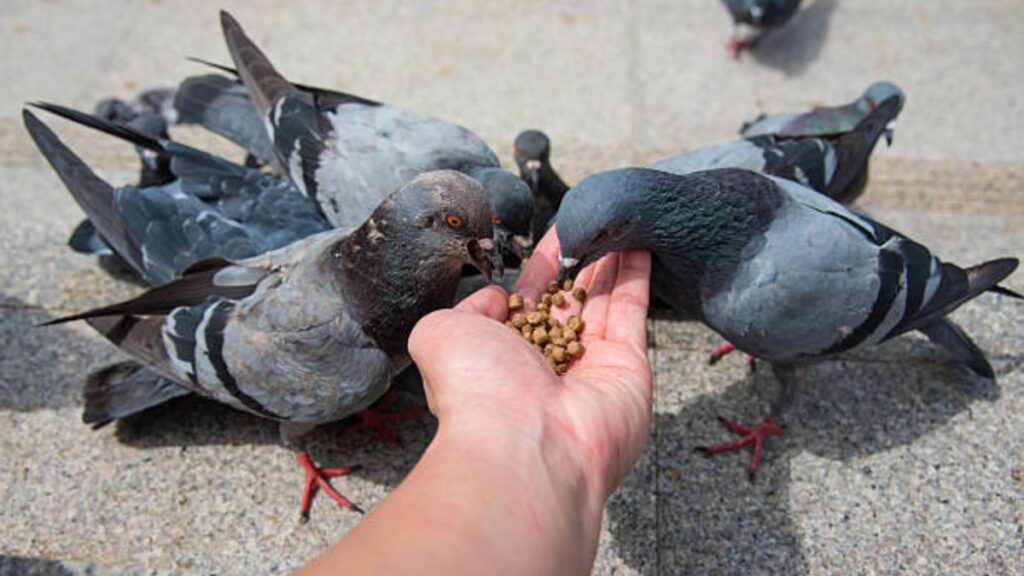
481,374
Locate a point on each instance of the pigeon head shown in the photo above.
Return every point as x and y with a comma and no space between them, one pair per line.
532,149
512,206
605,212
885,96
441,216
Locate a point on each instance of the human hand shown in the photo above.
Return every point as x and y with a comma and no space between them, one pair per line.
483,379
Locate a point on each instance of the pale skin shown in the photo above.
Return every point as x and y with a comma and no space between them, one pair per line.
516,478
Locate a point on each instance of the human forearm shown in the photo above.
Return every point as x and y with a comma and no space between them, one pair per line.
481,500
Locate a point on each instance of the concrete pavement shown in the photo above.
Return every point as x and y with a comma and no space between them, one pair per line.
893,462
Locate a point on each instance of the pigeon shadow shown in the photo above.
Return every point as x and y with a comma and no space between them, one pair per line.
794,46
42,367
712,518
195,421
31,566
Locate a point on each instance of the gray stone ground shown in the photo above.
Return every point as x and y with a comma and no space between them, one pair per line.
895,461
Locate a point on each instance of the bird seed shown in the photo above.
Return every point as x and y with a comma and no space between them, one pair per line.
515,301
559,343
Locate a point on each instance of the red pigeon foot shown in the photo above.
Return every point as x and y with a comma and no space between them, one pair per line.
756,436
376,419
319,478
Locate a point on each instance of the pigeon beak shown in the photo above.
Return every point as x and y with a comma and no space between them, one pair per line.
532,170
506,242
888,133
484,255
524,243
568,268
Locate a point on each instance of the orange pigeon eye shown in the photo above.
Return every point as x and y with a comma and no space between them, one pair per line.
495,220
453,221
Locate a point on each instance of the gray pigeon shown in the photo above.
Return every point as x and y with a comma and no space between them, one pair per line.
533,156
827,149
332,144
784,273
210,207
758,17
155,170
308,334
828,121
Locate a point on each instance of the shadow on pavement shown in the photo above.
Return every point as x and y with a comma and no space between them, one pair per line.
793,47
713,519
44,367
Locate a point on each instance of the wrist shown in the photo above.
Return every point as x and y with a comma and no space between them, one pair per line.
548,489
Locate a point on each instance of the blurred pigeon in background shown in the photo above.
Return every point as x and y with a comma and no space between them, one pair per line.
150,115
826,149
308,334
752,19
826,120
785,273
533,156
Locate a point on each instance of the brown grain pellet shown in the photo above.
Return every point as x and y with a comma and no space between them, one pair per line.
558,353
567,285
515,301
574,323
558,343
579,294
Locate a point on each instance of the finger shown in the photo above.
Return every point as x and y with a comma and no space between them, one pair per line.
630,298
595,311
490,301
541,269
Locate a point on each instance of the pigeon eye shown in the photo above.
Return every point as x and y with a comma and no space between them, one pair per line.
453,221
495,220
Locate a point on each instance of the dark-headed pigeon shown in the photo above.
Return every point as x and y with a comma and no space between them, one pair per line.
533,156
784,273
308,334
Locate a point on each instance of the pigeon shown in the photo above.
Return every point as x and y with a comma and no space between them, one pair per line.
783,272
827,121
832,161
343,151
760,16
155,170
533,156
212,207
304,335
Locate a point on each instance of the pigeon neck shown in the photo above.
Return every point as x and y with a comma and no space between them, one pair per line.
393,281
701,227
